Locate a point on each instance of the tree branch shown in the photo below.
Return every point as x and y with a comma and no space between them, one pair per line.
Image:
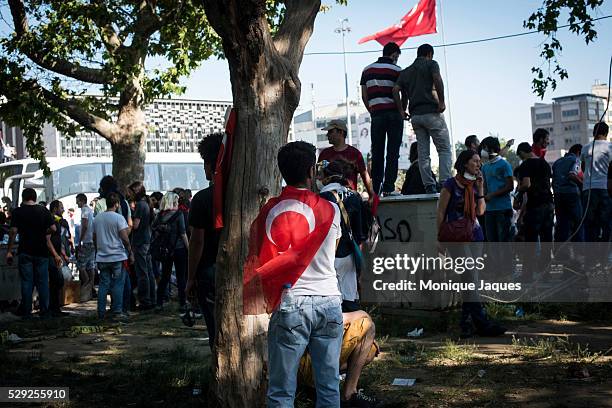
73,108
57,65
296,29
242,26
108,35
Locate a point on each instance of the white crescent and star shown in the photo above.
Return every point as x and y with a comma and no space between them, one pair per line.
290,205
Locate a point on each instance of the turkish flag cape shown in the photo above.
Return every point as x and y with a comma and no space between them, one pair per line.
224,159
419,21
284,238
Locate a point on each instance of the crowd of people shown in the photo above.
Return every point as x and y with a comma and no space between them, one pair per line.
129,243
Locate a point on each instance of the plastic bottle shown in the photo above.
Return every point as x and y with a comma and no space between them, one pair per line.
287,298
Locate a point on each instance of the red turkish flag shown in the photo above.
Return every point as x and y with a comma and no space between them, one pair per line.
419,21
284,238
224,159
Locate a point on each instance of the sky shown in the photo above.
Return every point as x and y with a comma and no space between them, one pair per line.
488,85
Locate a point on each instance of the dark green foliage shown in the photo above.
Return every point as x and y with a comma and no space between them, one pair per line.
546,20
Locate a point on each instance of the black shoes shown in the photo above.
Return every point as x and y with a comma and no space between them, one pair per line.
360,400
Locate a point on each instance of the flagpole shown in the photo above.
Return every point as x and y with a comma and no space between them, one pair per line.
343,30
449,110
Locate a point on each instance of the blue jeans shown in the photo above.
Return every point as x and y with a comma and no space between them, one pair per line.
568,209
597,222
432,127
34,271
389,127
112,280
314,322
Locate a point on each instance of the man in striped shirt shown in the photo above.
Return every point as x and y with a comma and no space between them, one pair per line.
377,82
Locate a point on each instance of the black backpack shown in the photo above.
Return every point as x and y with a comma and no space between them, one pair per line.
162,245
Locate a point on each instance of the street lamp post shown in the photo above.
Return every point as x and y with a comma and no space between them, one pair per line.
343,29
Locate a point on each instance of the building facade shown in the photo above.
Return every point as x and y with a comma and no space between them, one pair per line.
569,119
175,126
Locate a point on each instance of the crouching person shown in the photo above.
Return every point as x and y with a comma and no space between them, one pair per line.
358,350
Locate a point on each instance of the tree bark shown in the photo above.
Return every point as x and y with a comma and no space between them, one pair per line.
266,92
128,146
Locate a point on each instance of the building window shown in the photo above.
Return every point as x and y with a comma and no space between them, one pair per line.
570,112
543,116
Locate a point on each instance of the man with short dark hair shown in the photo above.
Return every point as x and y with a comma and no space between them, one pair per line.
86,251
304,230
596,157
339,150
421,84
541,140
566,187
112,242
34,224
377,81
204,241
472,143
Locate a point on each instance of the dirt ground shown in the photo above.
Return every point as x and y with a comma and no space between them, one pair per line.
154,360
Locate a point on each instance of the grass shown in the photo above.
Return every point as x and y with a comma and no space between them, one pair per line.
168,364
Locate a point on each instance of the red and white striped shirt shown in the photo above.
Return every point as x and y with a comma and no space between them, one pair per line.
379,78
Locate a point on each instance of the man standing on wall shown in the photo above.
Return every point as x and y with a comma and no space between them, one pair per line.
421,83
377,82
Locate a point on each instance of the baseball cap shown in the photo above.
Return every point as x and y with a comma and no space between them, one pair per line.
336,124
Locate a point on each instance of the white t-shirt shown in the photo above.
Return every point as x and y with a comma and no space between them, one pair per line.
601,161
87,214
109,247
319,278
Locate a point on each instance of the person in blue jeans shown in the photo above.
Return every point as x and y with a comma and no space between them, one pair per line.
499,183
566,187
112,243
421,85
313,320
34,224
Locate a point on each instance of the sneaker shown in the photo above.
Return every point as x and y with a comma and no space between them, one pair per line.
360,400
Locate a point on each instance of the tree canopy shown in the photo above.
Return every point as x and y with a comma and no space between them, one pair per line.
59,54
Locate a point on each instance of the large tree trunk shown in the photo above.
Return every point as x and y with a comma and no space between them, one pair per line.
128,160
266,92
264,108
128,140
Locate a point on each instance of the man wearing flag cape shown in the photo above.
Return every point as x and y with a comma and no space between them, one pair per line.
293,242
